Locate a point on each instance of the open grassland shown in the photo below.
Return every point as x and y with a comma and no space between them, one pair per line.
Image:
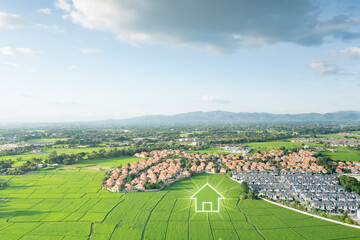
70,204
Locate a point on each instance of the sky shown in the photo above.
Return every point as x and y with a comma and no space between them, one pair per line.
76,60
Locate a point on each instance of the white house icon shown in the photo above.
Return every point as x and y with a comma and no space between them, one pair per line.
207,199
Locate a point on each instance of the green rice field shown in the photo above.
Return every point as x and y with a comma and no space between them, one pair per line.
107,163
343,154
70,204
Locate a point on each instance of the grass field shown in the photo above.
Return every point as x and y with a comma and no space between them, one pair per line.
70,204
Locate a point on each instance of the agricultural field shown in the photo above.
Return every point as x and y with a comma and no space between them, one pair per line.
59,150
70,204
343,154
107,163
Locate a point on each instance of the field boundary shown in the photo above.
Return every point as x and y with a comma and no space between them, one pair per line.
247,220
312,215
147,221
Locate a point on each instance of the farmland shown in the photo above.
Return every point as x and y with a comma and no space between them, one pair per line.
70,204
343,154
58,148
103,163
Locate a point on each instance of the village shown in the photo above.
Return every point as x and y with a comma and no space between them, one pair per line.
163,167
315,190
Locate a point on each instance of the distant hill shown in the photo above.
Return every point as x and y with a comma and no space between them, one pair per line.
222,117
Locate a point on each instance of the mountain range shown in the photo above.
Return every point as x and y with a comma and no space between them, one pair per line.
223,117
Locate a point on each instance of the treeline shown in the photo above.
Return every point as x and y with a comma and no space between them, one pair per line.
6,166
247,192
3,184
18,150
327,162
350,183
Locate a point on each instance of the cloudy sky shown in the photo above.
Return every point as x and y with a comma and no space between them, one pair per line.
68,60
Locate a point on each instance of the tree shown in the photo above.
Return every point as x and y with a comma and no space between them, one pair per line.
245,186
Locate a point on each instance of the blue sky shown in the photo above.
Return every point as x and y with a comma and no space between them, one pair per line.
75,60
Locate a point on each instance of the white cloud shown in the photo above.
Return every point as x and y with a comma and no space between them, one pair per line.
212,99
347,53
72,67
28,52
14,65
46,11
12,21
7,51
323,67
209,25
63,4
22,94
64,102
52,28
90,50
